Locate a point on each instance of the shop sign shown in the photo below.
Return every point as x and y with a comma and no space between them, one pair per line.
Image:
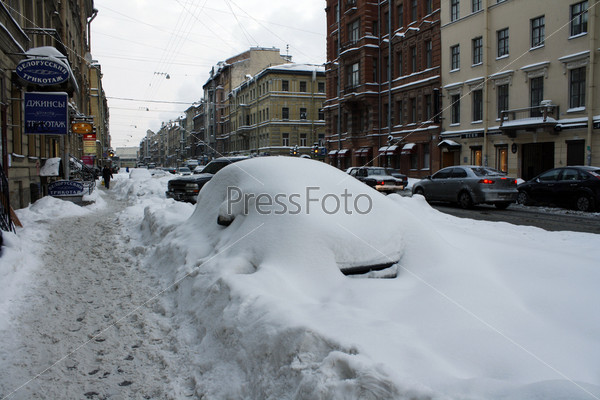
88,160
65,188
89,143
42,71
81,127
46,113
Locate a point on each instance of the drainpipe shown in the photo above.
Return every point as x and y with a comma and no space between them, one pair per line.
590,81
339,92
89,29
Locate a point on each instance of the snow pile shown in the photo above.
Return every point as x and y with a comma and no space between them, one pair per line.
478,309
259,308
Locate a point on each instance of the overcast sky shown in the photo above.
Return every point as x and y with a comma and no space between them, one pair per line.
139,42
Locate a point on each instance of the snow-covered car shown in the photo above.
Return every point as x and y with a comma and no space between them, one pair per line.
198,169
186,188
575,187
378,178
468,185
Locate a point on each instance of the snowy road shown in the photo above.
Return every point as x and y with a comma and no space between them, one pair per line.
90,328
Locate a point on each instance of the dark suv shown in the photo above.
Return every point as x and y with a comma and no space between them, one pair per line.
186,188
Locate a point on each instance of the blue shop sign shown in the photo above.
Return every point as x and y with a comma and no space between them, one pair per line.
46,113
65,188
43,71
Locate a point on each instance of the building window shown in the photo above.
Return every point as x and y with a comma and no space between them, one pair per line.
579,18
428,107
428,7
413,110
455,99
399,112
285,86
477,97
400,12
454,10
303,86
577,87
476,5
302,113
536,95
426,156
321,115
303,139
502,158
413,10
502,99
399,62
353,75
428,54
386,25
285,113
538,31
413,58
354,31
285,139
321,87
502,42
455,57
477,50
414,161
375,70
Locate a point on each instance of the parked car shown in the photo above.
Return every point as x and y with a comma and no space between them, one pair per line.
397,174
170,170
572,187
377,178
468,185
183,171
198,169
186,188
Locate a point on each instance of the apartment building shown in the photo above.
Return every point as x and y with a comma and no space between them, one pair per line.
44,30
383,80
277,110
225,76
518,84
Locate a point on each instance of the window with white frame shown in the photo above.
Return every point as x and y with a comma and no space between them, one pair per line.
354,75
477,50
577,87
302,113
502,98
285,139
354,31
477,98
579,17
455,107
502,36
538,31
455,57
303,139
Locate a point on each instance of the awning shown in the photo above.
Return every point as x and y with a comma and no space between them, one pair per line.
344,153
332,153
389,150
363,152
408,148
450,144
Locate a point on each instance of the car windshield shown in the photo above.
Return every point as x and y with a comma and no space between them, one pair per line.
184,169
214,167
483,171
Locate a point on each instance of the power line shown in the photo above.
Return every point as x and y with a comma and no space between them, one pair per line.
150,101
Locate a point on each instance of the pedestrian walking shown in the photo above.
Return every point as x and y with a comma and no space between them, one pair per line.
106,175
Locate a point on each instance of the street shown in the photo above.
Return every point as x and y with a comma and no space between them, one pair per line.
550,219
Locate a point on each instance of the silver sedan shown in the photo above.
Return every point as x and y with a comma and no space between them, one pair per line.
468,185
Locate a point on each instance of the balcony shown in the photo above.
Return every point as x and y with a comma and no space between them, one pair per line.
530,119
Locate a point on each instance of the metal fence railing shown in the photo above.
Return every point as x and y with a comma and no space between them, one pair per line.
6,223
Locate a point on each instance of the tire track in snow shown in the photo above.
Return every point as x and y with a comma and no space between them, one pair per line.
89,307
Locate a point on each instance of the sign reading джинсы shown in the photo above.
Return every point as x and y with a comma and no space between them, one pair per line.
46,113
